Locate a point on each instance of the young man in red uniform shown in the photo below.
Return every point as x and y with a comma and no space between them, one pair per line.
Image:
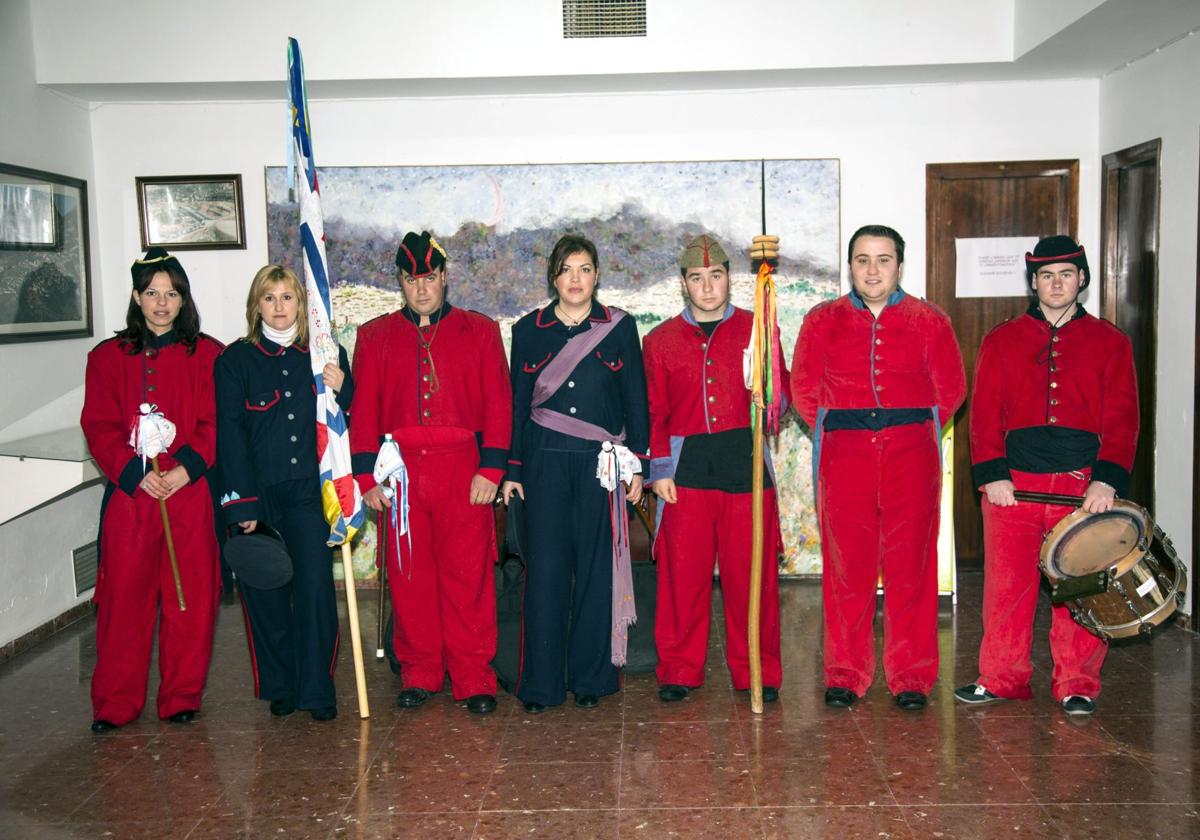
161,358
876,374
1054,410
435,378
701,451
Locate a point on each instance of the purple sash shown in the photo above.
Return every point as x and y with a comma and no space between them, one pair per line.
551,378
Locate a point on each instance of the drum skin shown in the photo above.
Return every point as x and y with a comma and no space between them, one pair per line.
1146,579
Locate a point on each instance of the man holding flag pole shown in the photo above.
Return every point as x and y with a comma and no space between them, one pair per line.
340,495
702,453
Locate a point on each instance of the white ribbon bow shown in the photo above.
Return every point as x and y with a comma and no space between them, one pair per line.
616,464
391,473
152,433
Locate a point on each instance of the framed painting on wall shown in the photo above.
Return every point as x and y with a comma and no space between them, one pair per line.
191,212
499,223
45,270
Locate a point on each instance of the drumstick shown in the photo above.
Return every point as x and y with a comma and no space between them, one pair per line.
1047,498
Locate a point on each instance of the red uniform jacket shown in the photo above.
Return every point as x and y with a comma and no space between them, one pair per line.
452,375
178,382
695,383
1079,376
906,358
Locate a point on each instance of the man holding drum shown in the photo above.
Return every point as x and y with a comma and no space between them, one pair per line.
1054,410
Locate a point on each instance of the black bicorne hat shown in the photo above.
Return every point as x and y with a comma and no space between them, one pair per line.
259,559
156,259
419,254
1058,249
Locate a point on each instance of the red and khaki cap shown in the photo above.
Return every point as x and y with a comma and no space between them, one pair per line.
702,252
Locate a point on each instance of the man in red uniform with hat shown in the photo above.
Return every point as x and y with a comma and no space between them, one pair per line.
1054,410
701,451
435,378
876,374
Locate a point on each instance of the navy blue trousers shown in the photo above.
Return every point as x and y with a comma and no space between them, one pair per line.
294,629
567,626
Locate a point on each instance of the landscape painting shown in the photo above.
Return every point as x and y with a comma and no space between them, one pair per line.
498,224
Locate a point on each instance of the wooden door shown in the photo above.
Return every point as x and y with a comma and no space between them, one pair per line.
967,200
1129,292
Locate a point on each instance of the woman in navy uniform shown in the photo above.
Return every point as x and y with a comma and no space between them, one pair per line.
267,453
554,472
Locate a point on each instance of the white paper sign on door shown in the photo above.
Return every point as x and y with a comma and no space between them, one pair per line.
991,266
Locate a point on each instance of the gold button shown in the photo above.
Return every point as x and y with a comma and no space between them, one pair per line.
425,396
149,387
1055,339
425,413
878,387
712,419
1053,402
1053,419
149,370
709,362
1053,384
712,399
710,380
704,345
1053,352
879,341
878,371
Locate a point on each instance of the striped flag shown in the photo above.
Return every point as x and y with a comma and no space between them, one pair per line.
340,497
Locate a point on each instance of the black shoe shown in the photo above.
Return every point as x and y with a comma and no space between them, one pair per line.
770,694
974,694
587,701
410,698
186,716
839,698
481,704
534,708
282,707
324,713
103,726
1073,704
672,693
911,701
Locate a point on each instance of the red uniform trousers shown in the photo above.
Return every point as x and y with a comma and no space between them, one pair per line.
134,580
703,526
1012,543
878,509
444,596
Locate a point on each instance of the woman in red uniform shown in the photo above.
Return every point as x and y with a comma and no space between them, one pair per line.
161,358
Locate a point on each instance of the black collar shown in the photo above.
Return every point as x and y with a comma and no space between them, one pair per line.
158,342
1035,310
415,319
547,317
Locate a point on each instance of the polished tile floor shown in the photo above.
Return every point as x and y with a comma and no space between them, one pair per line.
634,767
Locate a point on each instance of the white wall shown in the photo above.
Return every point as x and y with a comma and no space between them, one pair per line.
41,130
234,40
1158,97
1034,21
883,136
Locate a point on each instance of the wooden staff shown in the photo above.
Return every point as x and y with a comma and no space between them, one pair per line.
383,533
360,676
162,509
763,251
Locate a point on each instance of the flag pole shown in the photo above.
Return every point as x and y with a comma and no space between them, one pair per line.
360,676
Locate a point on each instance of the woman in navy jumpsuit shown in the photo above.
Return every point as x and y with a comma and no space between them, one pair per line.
267,453
568,592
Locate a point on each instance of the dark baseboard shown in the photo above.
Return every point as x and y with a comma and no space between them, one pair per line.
39,634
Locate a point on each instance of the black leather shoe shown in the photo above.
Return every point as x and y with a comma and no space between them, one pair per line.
324,713
534,708
672,693
770,694
186,716
282,707
481,704
410,698
911,701
587,701
103,726
840,698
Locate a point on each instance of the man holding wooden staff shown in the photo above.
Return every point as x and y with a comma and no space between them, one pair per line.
1054,411
876,375
435,378
700,449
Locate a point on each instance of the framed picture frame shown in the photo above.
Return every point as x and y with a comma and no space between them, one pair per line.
45,261
191,212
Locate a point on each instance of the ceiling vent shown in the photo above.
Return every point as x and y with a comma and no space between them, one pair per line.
604,18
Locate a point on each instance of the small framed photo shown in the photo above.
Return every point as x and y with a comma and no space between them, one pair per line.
45,272
192,212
